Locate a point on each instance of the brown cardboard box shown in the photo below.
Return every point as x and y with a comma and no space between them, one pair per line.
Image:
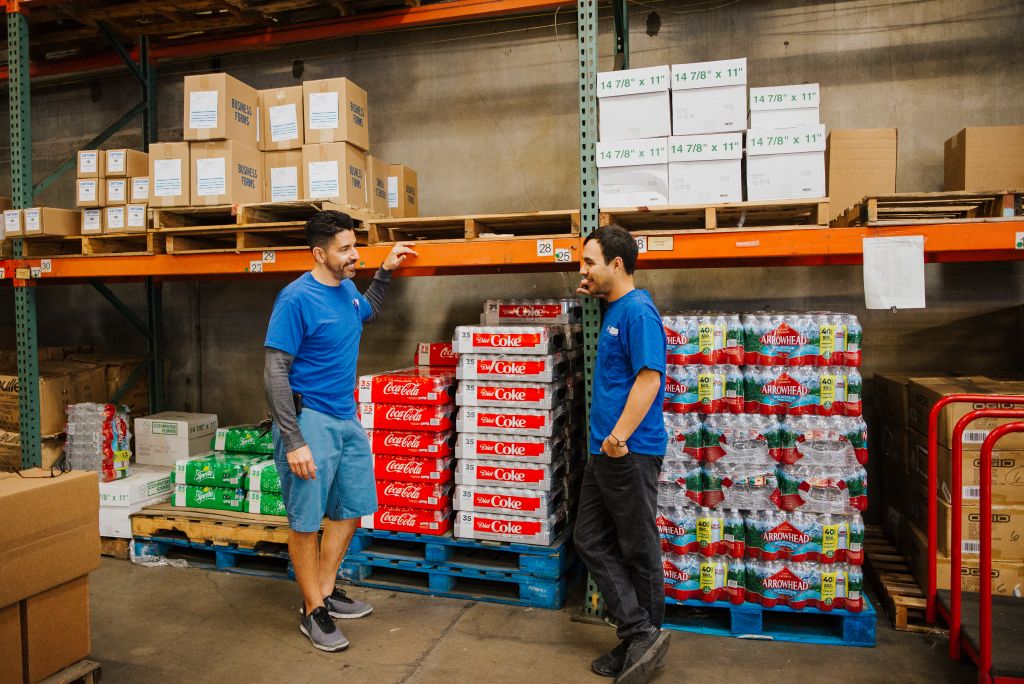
403,192
50,221
1007,531
114,220
10,645
169,177
51,531
284,180
926,392
337,172
117,369
14,224
226,172
281,119
219,107
985,159
377,185
124,163
117,192
91,164
90,192
10,450
136,218
92,222
1007,472
335,111
859,163
139,190
60,383
55,623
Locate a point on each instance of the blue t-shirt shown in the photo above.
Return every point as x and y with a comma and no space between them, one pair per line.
320,326
632,338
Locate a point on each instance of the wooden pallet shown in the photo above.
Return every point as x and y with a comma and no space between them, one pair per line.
119,244
219,528
471,227
898,591
114,547
931,207
270,213
84,671
810,212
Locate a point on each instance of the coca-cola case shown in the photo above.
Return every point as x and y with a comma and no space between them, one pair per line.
509,528
524,395
498,368
411,443
436,354
406,417
490,447
419,386
544,311
510,421
507,501
428,495
412,520
533,340
543,477
412,468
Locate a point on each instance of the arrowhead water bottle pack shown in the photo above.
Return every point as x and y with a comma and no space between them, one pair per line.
98,440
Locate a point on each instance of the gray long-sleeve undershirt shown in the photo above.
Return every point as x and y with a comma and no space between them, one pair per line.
278,366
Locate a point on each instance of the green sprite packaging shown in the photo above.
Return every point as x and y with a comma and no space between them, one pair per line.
214,470
264,503
214,498
244,439
263,477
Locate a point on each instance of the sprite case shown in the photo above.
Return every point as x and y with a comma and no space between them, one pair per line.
263,477
690,577
264,503
244,439
214,498
214,470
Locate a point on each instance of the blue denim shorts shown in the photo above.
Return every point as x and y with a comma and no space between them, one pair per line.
344,486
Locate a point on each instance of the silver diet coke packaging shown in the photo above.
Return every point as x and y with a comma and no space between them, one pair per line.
509,447
405,417
509,528
412,468
416,386
535,476
502,500
548,368
533,340
429,495
436,354
545,311
412,520
510,421
525,395
402,443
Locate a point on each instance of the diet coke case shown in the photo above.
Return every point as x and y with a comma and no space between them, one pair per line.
412,520
510,421
524,395
509,448
543,311
509,528
404,417
507,501
536,476
412,469
428,495
402,443
410,386
436,354
548,368
533,340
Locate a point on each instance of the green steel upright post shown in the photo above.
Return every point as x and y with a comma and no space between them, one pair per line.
621,9
154,289
21,196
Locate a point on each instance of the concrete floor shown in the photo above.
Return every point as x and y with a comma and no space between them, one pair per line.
191,625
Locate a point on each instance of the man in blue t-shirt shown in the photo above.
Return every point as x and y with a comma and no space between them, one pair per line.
616,526
320,448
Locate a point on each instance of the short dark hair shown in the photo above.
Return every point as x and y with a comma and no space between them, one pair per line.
325,225
616,241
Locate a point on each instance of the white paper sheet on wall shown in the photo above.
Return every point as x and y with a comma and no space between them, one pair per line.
894,272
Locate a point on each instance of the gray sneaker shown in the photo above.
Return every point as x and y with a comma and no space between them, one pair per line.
339,605
322,631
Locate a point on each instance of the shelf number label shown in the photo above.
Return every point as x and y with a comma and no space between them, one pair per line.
46,266
269,257
255,267
641,244
3,273
1019,242
563,256
545,248
35,272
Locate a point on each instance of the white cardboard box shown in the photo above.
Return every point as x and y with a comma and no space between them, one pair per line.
634,104
163,438
144,483
785,106
786,164
705,169
633,173
709,97
115,521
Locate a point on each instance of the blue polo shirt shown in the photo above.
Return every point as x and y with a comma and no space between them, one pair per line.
632,338
320,326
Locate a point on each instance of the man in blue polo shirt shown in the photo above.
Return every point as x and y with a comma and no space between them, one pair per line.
616,529
320,448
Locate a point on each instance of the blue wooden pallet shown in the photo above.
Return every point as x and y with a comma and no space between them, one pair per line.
274,564
460,583
780,623
549,562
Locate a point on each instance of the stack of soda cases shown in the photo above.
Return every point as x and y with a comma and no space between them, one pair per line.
222,479
763,481
519,444
409,419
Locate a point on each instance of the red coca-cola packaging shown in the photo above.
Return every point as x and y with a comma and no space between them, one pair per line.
548,368
534,340
406,417
510,421
507,501
428,495
418,386
412,520
536,476
436,354
544,311
509,528
412,468
493,447
402,443
525,395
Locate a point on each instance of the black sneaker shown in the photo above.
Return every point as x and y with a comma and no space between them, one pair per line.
322,631
643,658
339,605
610,664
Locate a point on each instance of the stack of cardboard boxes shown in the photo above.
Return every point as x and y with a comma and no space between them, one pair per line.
38,222
112,191
785,143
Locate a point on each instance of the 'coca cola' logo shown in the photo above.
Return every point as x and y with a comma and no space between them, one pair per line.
398,519
394,388
403,440
404,467
405,414
400,490
448,352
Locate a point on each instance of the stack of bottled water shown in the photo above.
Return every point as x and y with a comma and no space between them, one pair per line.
98,439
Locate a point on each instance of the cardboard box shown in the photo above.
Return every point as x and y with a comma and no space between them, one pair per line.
785,106
284,180
139,193
377,185
60,383
336,111
92,222
337,172
403,192
634,104
281,119
225,172
219,107
116,521
169,174
1007,467
786,164
709,97
859,163
163,438
90,192
1007,530
118,368
50,221
144,483
126,163
985,159
10,450
91,164
633,173
117,192
13,223
10,644
136,218
705,169
55,625
114,220
923,393
50,533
